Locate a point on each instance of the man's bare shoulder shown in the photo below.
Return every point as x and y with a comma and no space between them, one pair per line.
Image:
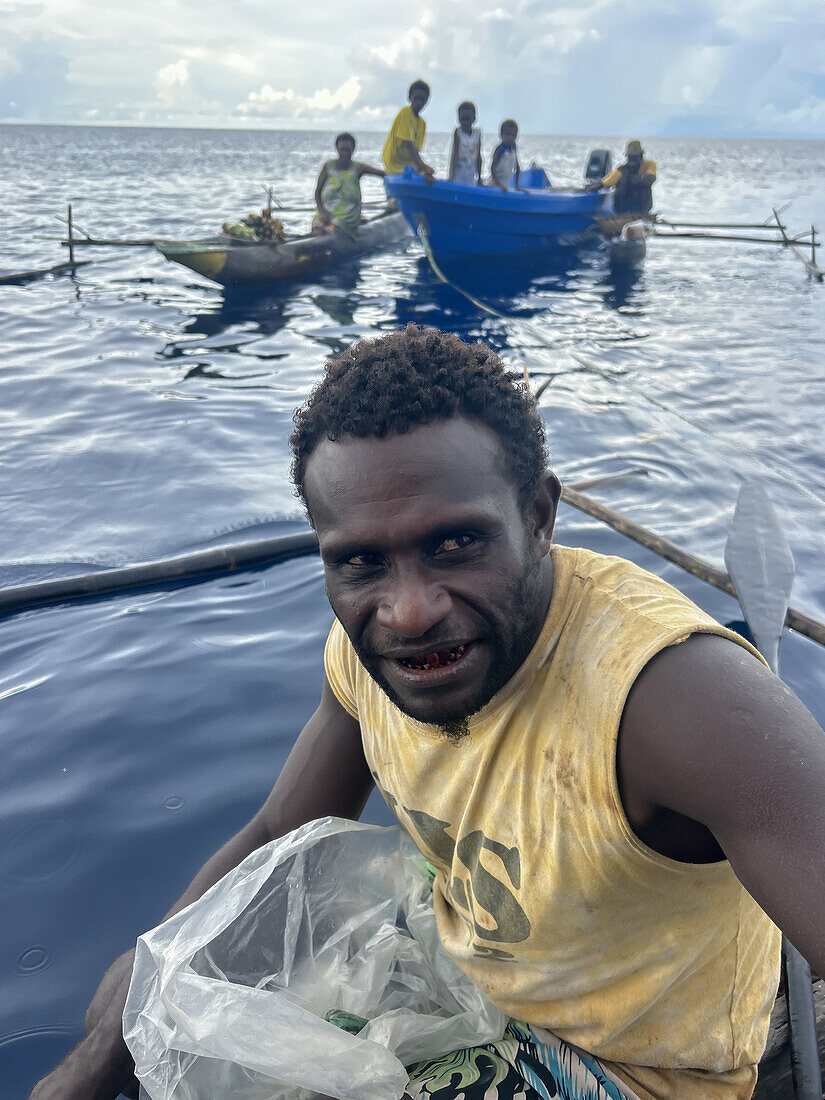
703,705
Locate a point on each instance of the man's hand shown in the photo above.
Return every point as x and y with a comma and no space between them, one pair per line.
113,981
85,1074
100,1068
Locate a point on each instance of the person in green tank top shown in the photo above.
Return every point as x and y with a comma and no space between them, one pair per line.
338,190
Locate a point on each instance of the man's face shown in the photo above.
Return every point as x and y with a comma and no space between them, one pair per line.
440,580
634,162
418,99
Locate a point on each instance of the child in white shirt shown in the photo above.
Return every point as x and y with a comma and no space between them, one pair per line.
465,159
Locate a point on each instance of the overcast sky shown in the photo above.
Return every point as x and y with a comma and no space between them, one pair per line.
649,67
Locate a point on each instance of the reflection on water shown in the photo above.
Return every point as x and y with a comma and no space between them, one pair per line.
620,286
267,309
517,288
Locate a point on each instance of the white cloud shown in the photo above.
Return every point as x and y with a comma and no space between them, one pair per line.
808,117
169,80
405,50
593,66
323,103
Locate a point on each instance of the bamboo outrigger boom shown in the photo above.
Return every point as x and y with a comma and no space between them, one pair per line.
205,564
814,272
797,620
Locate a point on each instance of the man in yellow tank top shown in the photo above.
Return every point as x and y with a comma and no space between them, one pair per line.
618,797
407,132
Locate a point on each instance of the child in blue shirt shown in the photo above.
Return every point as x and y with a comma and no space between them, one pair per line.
505,166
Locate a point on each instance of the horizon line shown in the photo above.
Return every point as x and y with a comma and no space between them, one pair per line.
92,124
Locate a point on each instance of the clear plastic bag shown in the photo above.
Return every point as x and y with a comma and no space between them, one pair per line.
229,997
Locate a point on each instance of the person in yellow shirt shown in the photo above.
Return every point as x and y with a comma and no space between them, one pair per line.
633,182
621,802
406,137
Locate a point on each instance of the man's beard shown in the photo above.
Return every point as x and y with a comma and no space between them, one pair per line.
456,731
526,615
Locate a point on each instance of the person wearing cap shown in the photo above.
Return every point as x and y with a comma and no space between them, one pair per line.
633,182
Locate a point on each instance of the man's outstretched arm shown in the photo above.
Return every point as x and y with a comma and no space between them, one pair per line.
325,774
710,734
415,157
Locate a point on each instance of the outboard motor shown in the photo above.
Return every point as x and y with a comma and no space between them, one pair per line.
599,164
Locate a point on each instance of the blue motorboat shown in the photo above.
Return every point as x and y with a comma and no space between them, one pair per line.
463,222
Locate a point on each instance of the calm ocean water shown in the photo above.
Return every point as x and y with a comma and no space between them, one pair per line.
143,415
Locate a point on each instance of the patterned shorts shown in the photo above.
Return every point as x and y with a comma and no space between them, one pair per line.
520,1066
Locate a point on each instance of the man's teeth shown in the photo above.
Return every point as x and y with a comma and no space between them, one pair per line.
427,662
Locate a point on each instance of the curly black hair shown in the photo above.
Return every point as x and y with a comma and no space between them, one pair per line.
413,377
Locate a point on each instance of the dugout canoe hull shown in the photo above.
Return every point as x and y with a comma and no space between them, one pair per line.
236,264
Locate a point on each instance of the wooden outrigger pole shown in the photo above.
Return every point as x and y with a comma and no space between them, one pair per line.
69,223
797,620
712,225
814,272
698,231
742,238
196,567
107,242
18,277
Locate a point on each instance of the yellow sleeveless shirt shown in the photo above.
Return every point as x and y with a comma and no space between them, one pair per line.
544,895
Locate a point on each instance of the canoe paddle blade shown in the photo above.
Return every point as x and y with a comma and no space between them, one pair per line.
761,567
